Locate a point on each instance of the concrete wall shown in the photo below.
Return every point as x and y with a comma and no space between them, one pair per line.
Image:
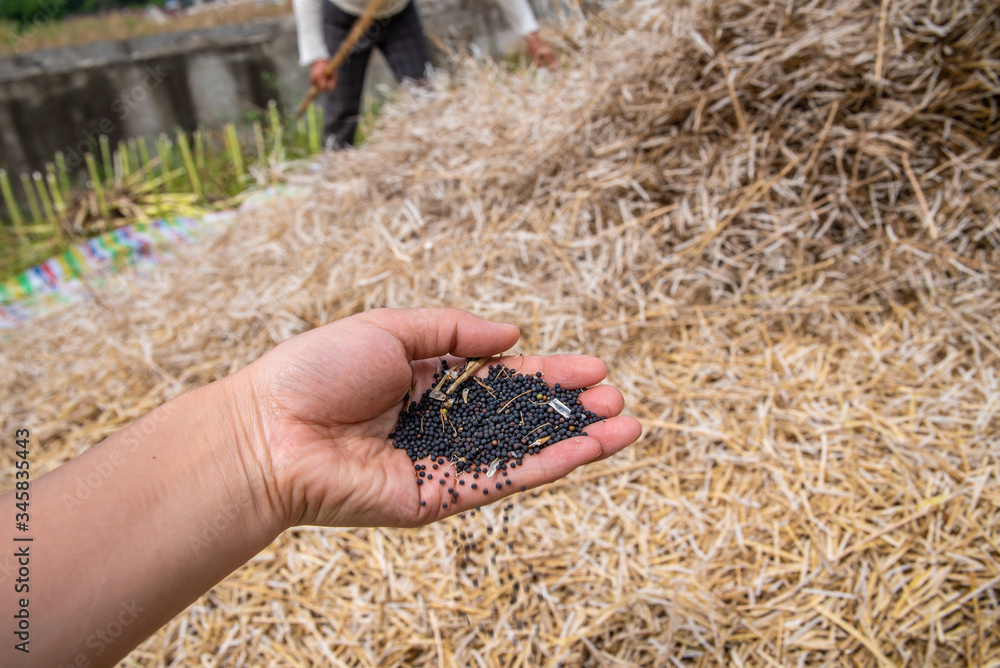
63,100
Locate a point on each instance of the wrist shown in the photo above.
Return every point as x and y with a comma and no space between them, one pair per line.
245,462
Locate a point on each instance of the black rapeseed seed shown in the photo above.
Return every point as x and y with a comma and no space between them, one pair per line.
488,425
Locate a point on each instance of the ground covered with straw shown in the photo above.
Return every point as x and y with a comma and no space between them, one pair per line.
779,225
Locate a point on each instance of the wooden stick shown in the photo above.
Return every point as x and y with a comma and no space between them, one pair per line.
358,29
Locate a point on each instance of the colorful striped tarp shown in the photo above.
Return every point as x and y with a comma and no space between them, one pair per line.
57,281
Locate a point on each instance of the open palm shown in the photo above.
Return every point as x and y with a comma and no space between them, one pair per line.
329,398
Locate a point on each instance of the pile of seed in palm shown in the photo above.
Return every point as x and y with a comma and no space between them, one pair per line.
485,426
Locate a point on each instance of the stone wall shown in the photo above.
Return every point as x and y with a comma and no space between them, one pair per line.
63,100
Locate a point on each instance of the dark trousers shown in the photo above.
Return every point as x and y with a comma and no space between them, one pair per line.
401,40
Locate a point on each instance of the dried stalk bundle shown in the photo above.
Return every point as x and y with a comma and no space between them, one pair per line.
777,223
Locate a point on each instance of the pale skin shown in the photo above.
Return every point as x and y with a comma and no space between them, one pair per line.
131,532
540,53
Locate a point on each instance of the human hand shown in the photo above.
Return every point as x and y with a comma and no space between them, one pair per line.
328,399
540,53
319,78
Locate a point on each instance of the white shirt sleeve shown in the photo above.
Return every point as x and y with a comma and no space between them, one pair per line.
309,26
520,15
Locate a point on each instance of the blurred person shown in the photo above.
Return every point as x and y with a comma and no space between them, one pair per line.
128,534
323,25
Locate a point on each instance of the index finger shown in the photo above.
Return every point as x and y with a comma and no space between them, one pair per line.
434,332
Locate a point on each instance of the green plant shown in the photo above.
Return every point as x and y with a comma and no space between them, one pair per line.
184,175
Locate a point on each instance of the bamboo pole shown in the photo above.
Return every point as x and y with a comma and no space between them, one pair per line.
106,161
144,158
102,201
258,136
199,149
133,155
233,149
29,193
277,130
13,208
189,166
164,149
53,182
43,196
63,173
122,162
312,126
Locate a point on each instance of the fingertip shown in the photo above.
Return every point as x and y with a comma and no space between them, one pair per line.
604,400
508,333
603,367
629,430
512,330
615,434
477,336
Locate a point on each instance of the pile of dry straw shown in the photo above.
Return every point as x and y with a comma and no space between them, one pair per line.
779,225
